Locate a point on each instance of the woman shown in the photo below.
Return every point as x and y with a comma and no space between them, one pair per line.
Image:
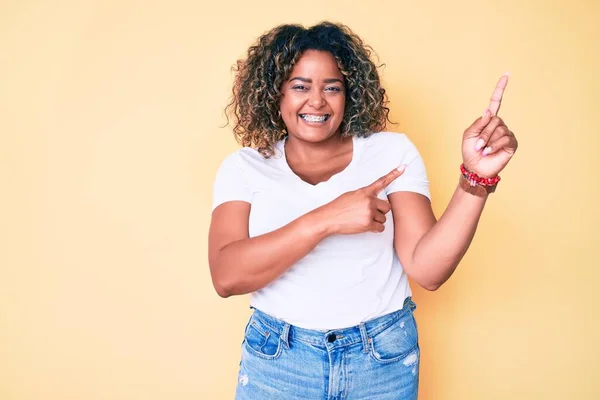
322,215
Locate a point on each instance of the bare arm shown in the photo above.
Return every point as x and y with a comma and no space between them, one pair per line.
240,264
430,250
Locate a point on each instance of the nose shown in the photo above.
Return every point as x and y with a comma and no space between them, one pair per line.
316,99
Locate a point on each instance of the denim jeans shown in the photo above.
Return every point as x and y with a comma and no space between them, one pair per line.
377,359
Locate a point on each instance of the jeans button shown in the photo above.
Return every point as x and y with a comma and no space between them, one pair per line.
331,337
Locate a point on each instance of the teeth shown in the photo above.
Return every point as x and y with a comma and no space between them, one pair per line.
314,118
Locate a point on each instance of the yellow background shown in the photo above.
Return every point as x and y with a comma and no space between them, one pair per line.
110,140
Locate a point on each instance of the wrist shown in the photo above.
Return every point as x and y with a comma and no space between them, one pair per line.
475,189
477,178
318,224
475,184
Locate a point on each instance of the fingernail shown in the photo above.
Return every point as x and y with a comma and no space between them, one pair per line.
506,73
486,151
401,168
479,144
485,113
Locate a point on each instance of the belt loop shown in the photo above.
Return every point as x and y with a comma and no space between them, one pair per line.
285,334
412,304
364,337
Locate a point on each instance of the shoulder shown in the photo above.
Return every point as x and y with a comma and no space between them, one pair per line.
391,149
242,155
249,165
387,143
248,156
386,139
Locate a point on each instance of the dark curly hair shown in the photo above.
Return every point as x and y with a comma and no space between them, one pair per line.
256,96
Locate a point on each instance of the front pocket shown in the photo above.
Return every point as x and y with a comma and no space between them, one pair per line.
261,341
396,342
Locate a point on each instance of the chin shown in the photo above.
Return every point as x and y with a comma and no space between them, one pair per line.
314,135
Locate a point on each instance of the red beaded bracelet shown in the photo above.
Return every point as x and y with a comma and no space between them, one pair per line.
475,179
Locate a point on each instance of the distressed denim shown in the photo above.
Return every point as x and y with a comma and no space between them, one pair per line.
378,360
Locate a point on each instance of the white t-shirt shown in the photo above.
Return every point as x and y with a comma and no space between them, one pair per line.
346,279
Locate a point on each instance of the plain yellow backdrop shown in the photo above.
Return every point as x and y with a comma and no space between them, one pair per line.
110,115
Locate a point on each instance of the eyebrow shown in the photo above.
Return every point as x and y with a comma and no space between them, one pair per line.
307,80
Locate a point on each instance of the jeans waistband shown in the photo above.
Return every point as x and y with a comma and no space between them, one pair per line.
334,337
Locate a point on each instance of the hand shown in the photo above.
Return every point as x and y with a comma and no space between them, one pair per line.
488,144
360,210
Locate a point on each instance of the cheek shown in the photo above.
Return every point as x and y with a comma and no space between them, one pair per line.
289,108
288,112
338,105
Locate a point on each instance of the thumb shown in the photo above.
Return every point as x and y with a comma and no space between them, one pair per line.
381,183
480,123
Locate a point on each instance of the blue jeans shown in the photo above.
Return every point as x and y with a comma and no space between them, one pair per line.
378,359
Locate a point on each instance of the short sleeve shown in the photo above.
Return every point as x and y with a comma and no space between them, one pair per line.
230,183
414,178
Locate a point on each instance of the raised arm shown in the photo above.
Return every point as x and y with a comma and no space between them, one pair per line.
430,250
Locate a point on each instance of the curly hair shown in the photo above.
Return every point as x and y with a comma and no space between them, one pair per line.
254,105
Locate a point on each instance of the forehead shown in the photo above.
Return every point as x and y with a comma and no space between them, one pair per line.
314,63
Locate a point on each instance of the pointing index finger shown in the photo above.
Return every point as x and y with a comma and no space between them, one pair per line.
496,99
385,180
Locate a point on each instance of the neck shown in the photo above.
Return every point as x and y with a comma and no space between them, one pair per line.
311,152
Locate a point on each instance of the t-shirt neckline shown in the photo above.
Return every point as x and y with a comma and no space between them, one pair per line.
334,177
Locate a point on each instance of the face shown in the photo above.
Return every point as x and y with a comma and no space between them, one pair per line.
312,105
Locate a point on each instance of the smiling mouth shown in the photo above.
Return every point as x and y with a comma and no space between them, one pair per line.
314,118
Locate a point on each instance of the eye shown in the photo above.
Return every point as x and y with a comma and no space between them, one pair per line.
299,87
333,89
